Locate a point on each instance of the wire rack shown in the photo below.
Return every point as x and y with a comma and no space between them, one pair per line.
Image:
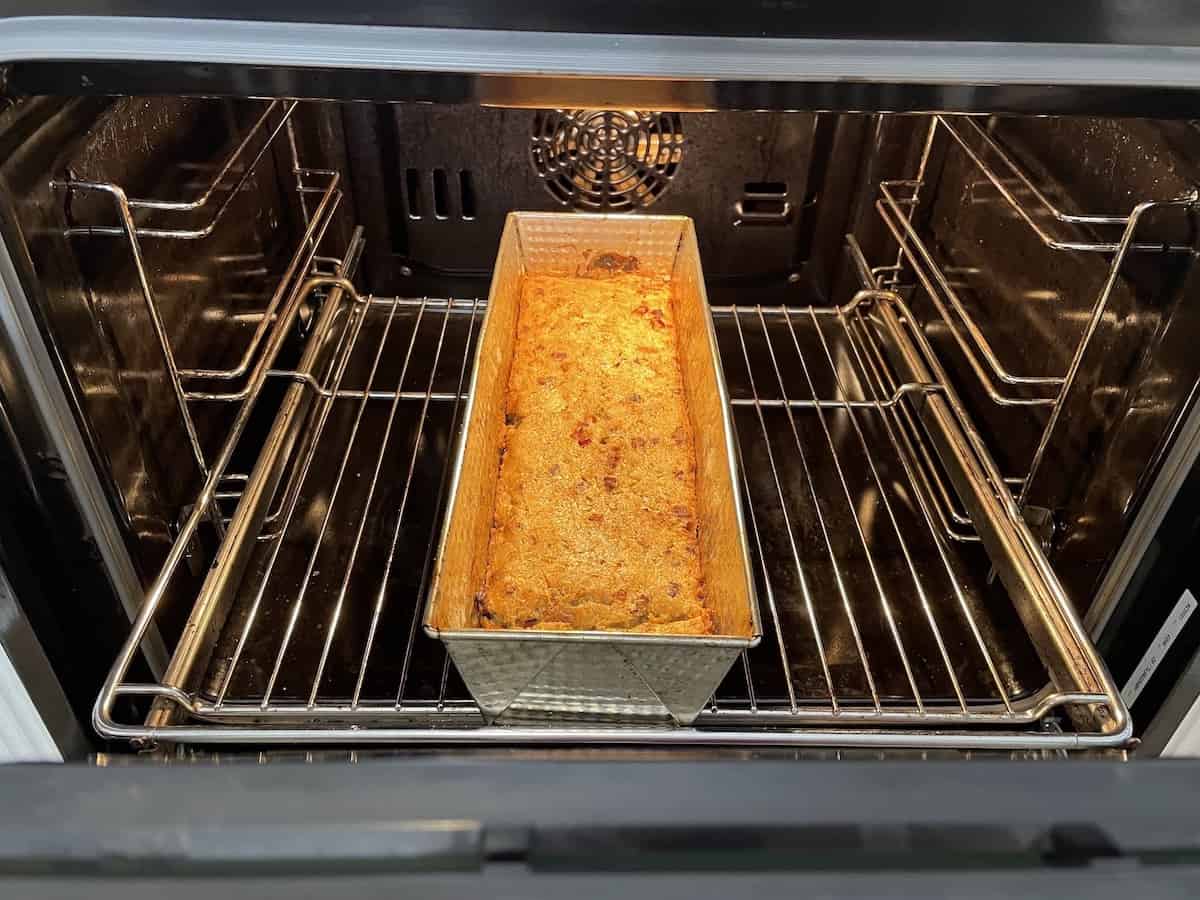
878,616
1054,228
876,515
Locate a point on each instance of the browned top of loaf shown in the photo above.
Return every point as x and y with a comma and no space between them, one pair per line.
595,520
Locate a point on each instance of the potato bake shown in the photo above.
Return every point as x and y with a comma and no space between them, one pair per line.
595,524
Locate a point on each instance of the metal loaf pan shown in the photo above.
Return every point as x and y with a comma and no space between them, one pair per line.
518,675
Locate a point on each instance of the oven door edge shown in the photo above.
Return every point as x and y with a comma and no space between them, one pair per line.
942,827
1063,71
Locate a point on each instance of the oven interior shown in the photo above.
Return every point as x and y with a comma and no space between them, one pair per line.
956,347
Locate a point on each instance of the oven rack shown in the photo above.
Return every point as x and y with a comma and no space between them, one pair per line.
899,206
882,630
142,219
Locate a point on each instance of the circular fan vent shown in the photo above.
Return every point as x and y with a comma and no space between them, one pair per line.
608,159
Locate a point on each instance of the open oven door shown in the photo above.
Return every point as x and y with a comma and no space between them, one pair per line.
530,827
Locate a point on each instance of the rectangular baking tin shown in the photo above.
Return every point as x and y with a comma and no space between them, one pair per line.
522,675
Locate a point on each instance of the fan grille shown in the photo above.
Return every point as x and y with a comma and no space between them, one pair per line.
607,159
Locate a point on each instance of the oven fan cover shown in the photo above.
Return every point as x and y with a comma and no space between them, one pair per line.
606,159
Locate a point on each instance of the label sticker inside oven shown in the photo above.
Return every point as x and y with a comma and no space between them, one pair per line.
1158,647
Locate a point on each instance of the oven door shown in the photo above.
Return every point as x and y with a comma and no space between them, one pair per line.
525,826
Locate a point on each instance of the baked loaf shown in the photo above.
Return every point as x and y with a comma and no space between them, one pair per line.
595,522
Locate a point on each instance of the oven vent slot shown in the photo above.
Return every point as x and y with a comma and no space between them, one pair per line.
412,192
435,194
763,203
466,195
610,160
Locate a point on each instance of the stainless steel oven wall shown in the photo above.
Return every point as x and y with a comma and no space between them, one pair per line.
43,137
68,573
1141,369
60,616
206,290
1033,304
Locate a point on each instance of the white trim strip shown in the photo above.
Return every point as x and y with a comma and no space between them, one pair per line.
1159,647
23,735
1186,739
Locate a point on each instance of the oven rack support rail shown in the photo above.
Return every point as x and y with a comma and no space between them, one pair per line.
900,381
898,204
319,195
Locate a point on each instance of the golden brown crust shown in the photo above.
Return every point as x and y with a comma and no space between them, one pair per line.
595,520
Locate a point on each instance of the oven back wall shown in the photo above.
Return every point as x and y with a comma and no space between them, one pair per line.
434,183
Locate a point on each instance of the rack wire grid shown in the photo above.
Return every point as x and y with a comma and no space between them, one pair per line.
879,611
882,625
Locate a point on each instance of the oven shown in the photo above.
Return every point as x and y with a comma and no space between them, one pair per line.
951,277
